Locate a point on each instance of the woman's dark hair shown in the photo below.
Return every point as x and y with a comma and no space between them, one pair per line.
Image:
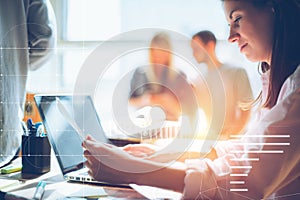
286,46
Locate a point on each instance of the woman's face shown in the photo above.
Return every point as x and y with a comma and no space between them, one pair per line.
160,56
251,28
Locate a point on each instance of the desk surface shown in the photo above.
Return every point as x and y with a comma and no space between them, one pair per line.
58,188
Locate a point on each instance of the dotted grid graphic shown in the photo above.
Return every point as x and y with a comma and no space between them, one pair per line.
89,72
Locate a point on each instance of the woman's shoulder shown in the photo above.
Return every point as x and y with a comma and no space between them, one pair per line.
140,70
295,77
293,81
182,74
176,72
291,84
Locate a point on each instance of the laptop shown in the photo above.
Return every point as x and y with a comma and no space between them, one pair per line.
66,118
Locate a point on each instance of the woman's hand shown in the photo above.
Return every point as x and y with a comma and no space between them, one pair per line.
111,164
106,162
101,172
140,150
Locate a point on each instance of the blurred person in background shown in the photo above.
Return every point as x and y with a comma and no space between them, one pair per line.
159,83
224,92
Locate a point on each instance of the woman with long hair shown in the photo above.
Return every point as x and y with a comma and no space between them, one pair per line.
159,83
265,162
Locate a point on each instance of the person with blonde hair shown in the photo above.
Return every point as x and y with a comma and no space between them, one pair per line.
159,83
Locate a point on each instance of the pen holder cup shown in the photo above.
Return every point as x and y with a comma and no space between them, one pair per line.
35,155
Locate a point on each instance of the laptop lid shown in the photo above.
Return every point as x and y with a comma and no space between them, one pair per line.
63,135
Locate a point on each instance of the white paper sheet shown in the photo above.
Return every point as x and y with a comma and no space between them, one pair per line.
156,193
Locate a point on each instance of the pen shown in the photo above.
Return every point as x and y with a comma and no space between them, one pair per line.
40,189
8,196
25,129
39,129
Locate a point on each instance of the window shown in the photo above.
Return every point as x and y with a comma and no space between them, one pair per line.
94,20
90,20
84,24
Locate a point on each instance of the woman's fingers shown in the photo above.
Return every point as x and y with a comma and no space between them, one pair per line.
107,156
139,150
90,158
89,137
88,164
90,173
92,164
101,149
137,154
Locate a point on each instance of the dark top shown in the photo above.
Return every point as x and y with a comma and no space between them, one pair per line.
170,80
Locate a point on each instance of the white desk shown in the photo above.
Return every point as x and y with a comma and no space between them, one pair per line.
58,188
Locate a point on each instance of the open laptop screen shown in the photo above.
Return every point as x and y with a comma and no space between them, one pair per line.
63,136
